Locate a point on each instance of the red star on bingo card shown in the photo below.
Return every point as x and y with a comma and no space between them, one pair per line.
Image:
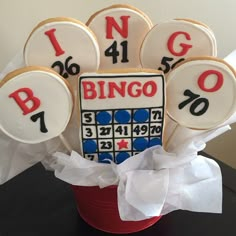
122,144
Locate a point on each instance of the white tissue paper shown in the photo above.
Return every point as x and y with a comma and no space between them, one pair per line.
16,156
152,183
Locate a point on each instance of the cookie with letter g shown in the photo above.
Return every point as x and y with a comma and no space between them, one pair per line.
171,42
121,113
37,104
63,44
201,92
120,30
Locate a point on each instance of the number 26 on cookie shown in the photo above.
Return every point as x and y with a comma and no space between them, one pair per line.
67,68
112,51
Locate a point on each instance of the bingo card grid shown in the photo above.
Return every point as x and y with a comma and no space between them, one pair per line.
117,134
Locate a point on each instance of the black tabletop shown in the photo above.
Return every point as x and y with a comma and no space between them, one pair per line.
36,203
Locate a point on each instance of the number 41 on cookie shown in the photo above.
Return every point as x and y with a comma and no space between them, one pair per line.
112,51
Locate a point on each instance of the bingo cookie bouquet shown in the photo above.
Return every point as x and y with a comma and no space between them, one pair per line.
119,108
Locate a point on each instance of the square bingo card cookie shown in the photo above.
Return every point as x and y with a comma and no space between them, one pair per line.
122,113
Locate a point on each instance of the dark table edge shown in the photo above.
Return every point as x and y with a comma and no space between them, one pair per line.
228,173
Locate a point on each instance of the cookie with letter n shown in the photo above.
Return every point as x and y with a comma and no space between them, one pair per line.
120,30
122,113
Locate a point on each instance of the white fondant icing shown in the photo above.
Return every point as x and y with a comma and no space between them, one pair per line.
75,39
118,101
56,102
222,101
154,46
138,26
118,110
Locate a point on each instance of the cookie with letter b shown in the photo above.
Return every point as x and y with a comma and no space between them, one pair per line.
201,92
37,104
171,42
63,44
122,113
120,30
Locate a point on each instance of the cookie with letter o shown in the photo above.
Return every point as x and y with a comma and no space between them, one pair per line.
63,44
201,93
121,113
37,104
120,30
169,43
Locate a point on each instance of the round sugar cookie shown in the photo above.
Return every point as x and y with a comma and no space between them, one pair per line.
37,104
64,44
120,30
171,42
201,93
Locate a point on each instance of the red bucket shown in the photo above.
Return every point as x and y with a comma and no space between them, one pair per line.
98,207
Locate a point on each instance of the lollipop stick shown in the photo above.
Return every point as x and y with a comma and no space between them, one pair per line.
65,143
171,136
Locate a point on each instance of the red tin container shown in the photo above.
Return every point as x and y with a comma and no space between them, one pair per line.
98,207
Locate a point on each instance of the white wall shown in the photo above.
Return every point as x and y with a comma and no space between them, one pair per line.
17,19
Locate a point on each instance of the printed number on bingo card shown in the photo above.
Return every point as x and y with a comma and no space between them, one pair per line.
114,125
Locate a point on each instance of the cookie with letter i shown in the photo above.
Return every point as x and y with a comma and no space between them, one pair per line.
37,104
122,113
63,44
201,92
120,30
171,42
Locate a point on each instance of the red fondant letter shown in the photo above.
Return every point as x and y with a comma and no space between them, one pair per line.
185,47
102,89
113,86
56,45
138,91
22,103
218,84
123,31
89,90
152,91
